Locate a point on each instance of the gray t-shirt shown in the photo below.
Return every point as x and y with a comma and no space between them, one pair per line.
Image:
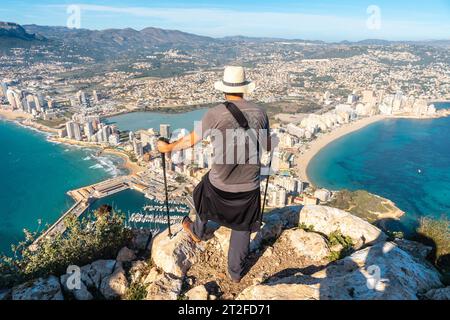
236,166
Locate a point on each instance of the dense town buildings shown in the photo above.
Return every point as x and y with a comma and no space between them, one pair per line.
327,91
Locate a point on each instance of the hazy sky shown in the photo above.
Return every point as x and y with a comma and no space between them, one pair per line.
319,19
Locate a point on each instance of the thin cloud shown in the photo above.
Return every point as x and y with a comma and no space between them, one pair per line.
228,21
220,22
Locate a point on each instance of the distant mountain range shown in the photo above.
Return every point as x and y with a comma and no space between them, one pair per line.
379,42
102,44
13,31
116,42
117,37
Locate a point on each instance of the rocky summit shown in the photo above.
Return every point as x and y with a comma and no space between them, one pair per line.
15,31
294,256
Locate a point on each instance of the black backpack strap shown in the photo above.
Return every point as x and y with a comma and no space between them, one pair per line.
242,121
238,115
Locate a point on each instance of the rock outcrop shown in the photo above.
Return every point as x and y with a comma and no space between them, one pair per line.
140,239
438,294
174,255
282,291
40,289
309,244
380,272
5,294
327,220
152,276
198,293
93,274
416,249
95,277
138,270
126,255
289,263
115,286
163,286
81,294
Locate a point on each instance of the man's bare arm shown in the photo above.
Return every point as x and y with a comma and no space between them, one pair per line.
184,143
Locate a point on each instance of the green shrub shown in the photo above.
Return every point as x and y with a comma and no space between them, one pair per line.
394,235
334,256
136,292
306,228
436,233
337,238
182,297
99,236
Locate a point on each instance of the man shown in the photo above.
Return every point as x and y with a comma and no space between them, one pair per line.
230,193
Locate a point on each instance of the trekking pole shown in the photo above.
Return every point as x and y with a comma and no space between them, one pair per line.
267,182
163,161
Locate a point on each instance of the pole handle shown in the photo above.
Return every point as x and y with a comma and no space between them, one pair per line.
163,139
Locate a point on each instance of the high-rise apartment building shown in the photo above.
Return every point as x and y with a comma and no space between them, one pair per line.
164,131
3,89
83,99
138,148
73,130
114,139
106,130
11,97
89,130
95,96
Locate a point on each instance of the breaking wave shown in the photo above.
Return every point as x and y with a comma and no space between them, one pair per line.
105,163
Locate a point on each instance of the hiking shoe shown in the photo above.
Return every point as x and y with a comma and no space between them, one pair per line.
187,227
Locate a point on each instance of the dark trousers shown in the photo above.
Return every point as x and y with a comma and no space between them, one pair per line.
237,252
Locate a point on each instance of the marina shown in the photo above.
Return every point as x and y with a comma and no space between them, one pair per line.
152,214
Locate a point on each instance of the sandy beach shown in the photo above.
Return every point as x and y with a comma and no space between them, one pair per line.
132,167
25,118
315,146
14,115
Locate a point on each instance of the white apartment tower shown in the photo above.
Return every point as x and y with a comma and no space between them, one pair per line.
95,96
164,131
3,89
89,130
138,148
10,95
73,130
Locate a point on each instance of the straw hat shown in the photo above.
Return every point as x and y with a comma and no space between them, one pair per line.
234,81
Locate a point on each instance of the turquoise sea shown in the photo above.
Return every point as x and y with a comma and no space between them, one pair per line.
383,158
404,160
131,202
35,176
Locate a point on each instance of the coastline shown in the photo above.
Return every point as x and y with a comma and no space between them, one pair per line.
440,101
24,119
130,166
318,144
164,110
14,115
